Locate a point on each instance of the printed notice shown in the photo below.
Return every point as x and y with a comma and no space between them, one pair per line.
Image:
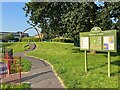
84,43
108,43
95,42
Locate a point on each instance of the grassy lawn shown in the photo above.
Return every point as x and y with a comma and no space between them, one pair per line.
17,46
23,86
68,62
25,64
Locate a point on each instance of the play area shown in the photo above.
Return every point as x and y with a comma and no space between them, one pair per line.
10,67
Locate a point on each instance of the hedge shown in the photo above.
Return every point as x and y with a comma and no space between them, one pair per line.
30,39
67,40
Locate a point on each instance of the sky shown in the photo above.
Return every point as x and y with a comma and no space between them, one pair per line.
13,18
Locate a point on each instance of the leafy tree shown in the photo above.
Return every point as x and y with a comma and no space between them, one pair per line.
68,19
7,37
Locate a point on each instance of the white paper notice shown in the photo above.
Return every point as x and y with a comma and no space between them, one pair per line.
108,43
84,43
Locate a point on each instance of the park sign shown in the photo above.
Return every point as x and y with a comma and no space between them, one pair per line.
98,40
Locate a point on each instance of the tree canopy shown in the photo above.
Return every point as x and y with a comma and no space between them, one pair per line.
6,37
68,19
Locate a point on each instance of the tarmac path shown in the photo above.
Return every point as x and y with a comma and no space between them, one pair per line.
41,74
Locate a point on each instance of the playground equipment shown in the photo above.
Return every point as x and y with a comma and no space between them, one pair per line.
10,67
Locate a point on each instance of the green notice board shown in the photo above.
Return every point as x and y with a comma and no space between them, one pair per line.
98,40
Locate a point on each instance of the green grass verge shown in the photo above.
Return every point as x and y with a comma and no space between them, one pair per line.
23,86
25,64
17,46
68,62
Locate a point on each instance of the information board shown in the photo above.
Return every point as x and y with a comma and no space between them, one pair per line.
85,42
108,43
98,40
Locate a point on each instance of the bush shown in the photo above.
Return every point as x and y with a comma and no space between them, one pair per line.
30,39
67,40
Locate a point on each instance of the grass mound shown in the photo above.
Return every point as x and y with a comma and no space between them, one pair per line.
68,62
17,46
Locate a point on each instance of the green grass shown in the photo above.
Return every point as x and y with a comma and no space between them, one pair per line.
17,46
23,86
68,62
25,64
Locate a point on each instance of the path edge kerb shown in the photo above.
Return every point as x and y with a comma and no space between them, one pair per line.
48,63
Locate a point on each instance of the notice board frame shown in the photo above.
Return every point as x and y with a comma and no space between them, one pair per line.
111,42
111,33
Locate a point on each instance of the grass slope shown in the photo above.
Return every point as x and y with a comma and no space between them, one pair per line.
68,62
26,65
17,46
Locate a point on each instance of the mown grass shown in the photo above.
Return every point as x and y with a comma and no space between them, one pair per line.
25,65
23,86
17,46
68,62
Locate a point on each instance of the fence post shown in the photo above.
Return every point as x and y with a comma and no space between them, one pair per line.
8,63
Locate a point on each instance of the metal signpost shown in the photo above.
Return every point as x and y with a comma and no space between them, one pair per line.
98,40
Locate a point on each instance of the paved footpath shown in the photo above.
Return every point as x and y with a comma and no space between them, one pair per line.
41,74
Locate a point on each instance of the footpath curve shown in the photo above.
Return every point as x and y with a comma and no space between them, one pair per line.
41,74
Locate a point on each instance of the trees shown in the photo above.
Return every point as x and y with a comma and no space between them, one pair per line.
7,37
68,19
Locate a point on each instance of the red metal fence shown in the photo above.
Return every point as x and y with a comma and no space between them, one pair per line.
10,67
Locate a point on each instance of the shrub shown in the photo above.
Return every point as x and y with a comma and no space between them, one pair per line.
67,40
30,39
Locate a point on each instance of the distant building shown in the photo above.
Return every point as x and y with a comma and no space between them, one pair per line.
15,34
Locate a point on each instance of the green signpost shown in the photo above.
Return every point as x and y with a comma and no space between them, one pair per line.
98,40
